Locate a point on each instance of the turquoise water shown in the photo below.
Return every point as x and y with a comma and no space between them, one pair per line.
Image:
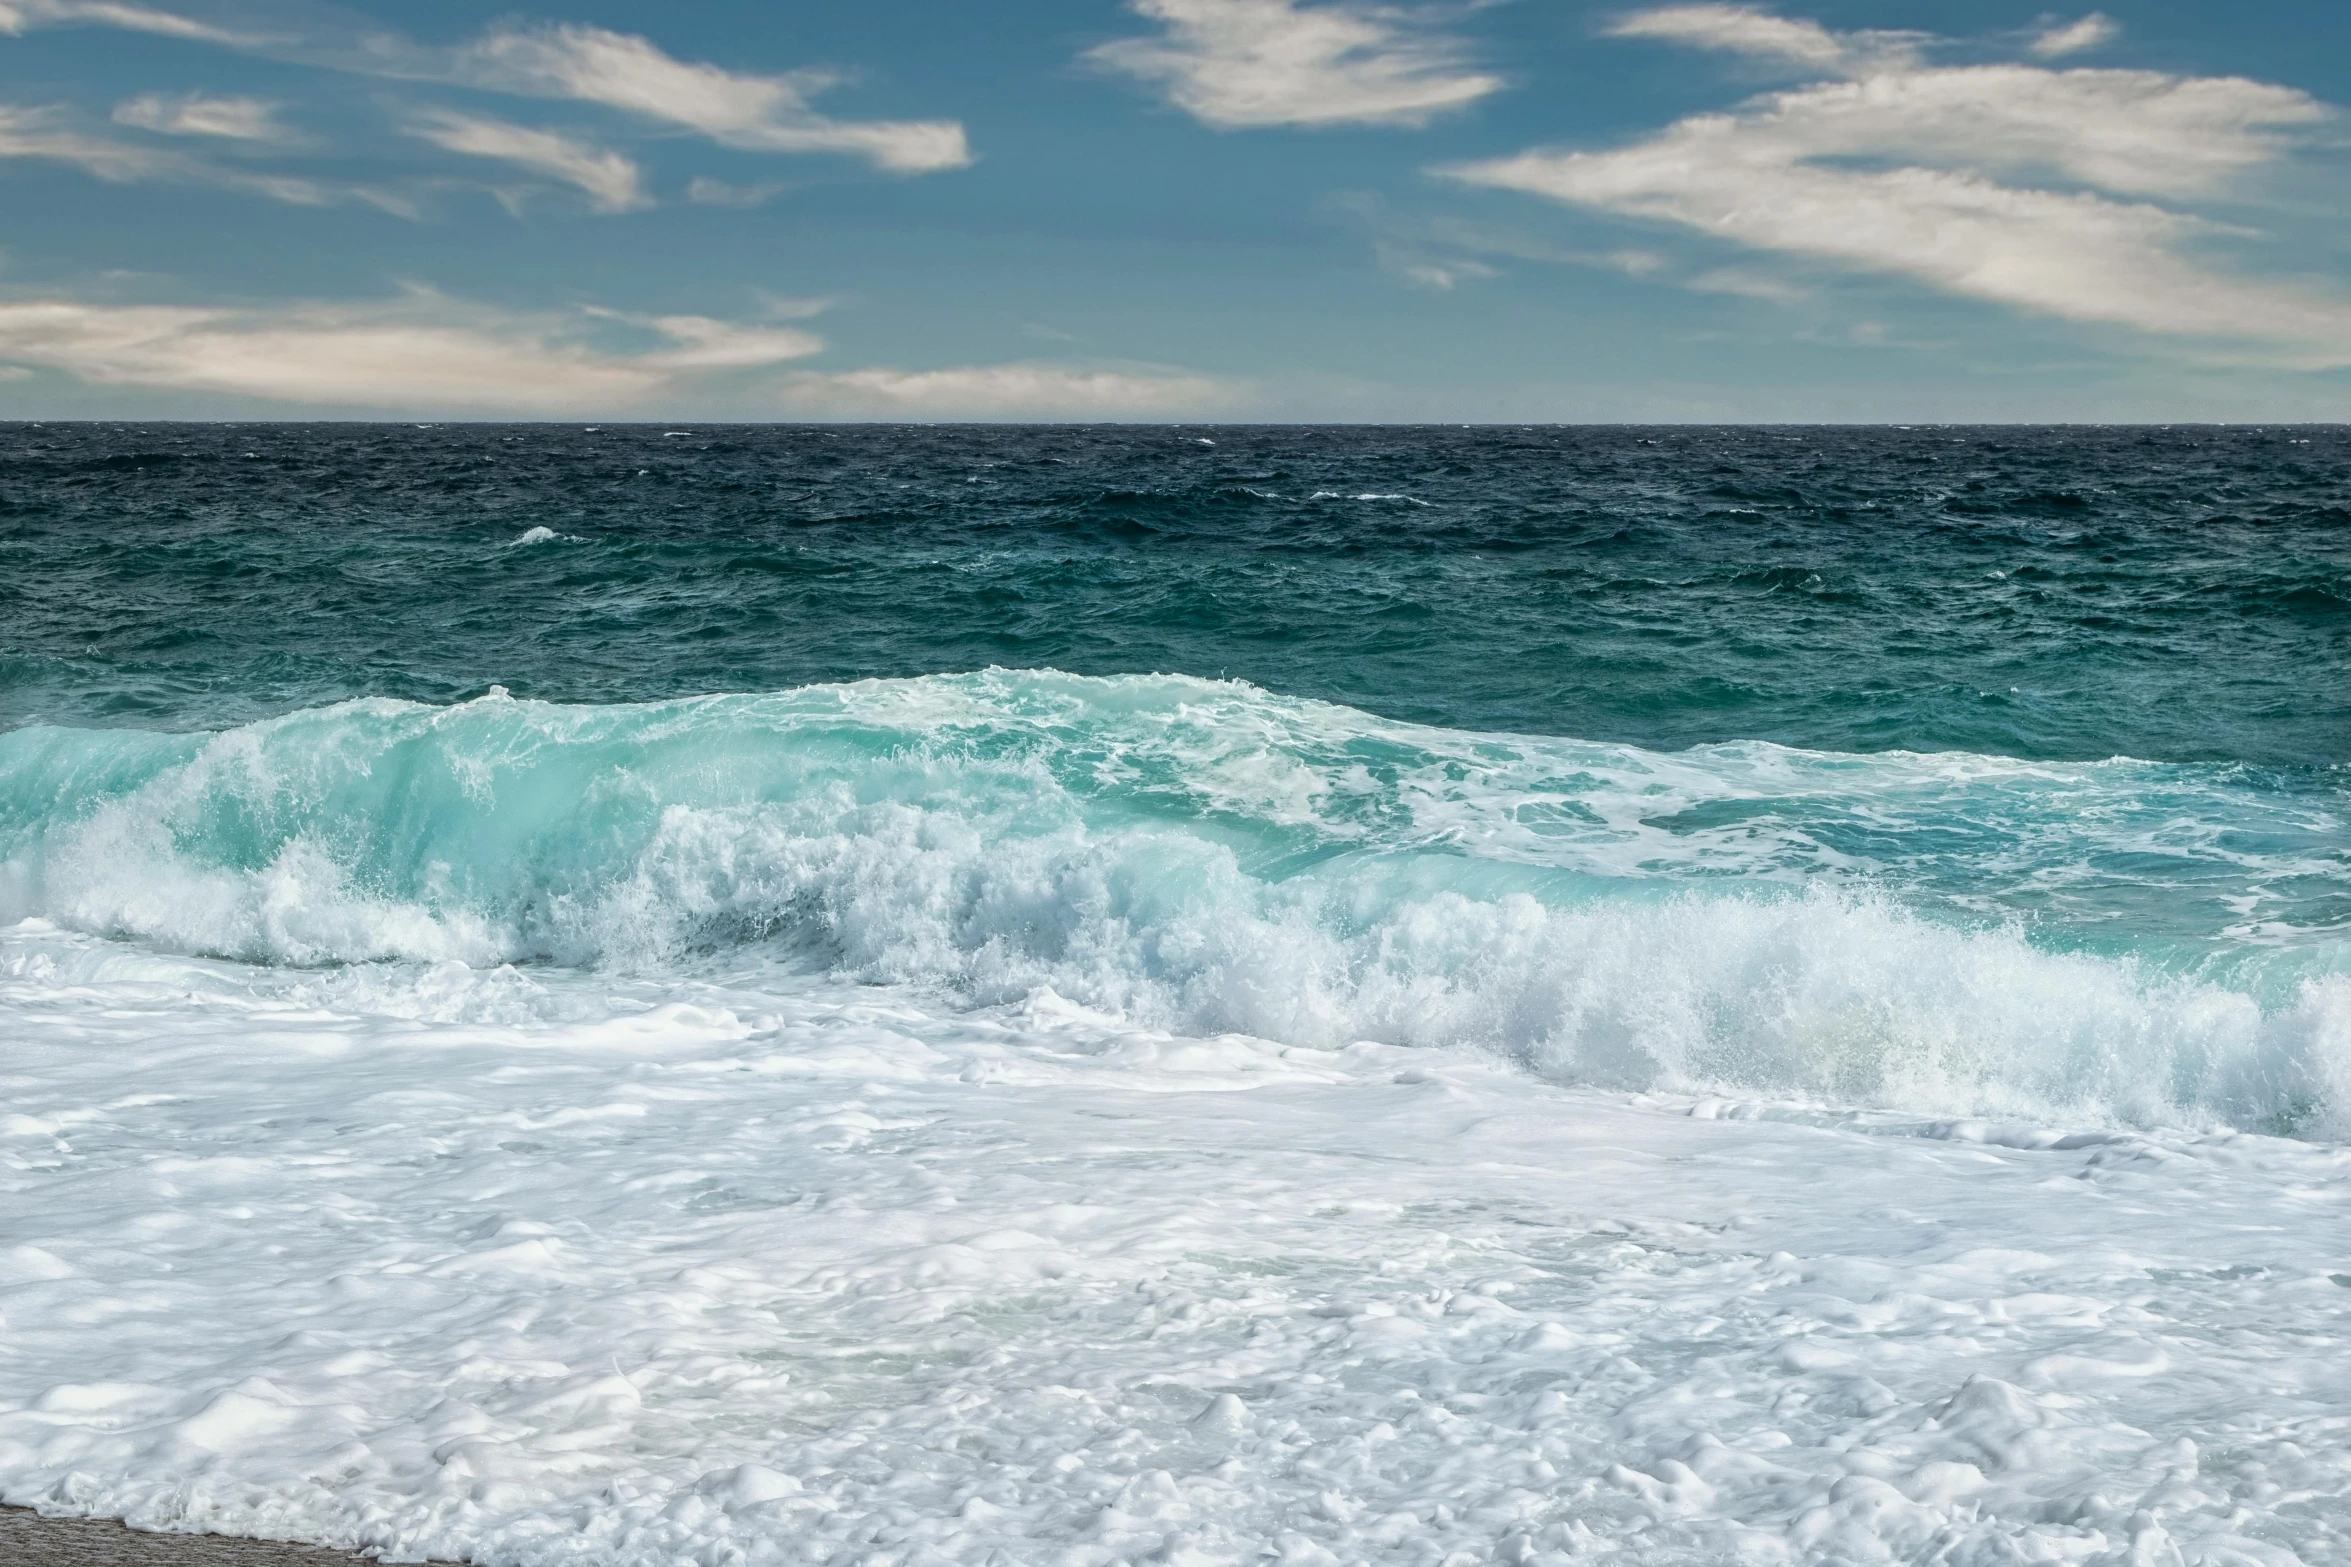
1934,768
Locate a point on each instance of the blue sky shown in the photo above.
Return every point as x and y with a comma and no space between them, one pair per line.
1175,209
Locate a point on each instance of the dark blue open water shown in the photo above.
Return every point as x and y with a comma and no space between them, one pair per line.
2168,594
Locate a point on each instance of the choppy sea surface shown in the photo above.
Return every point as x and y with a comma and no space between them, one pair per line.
1101,994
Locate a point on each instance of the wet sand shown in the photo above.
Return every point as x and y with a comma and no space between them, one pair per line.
29,1540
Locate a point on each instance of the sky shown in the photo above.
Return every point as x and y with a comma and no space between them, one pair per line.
1176,210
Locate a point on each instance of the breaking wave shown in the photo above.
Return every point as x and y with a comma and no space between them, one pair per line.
2122,941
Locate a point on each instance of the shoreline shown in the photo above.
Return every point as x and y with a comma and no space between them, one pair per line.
31,1539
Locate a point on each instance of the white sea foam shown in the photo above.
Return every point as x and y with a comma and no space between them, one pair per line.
632,1272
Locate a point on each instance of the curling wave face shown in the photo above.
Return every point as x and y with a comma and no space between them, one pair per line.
1948,934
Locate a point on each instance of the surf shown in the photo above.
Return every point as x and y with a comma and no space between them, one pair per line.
1210,857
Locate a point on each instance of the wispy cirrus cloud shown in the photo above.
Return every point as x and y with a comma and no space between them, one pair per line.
52,134
230,118
2073,193
2094,31
49,135
21,16
1769,37
742,110
1442,274
1446,252
707,343
769,112
611,180
1238,64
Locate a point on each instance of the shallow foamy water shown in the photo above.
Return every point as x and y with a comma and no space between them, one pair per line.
560,1268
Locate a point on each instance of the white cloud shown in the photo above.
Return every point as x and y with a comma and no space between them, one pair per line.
1444,252
2141,132
611,180
1908,169
1737,29
19,16
428,352
202,114
706,343
1235,64
45,134
424,351
1768,37
315,355
745,110
751,112
1020,390
433,353
2092,32
1442,274
51,135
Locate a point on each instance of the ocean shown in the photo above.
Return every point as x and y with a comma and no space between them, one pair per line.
1101,994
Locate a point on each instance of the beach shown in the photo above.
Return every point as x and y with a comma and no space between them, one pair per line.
30,1540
